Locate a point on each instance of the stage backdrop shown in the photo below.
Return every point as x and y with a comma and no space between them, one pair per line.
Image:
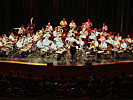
117,14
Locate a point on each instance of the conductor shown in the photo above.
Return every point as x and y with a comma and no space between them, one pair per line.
73,52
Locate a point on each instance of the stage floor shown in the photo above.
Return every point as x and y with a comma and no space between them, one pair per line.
36,58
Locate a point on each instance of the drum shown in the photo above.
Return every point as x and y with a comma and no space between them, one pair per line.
115,49
59,52
25,49
46,48
3,49
77,47
100,52
43,50
120,51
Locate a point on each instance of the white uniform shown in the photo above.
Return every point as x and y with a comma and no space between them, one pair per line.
54,46
46,42
129,40
110,41
4,40
123,45
96,43
72,25
39,44
105,28
81,43
35,38
1,44
55,33
11,37
19,44
29,39
116,43
59,44
103,45
49,28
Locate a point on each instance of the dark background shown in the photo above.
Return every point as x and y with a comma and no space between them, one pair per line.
117,14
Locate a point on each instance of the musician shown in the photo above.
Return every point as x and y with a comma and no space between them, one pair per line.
24,39
59,43
92,36
88,25
5,38
55,31
49,28
56,38
21,30
105,28
69,40
103,45
82,35
116,43
58,34
29,38
63,23
110,40
96,44
60,29
1,44
128,39
46,41
95,32
83,27
80,42
31,25
72,25
123,45
19,43
102,38
11,37
40,44
119,37
112,36
36,37
54,46
41,31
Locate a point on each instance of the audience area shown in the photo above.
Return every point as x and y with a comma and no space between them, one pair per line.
16,85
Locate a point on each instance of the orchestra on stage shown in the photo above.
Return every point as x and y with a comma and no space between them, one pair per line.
62,40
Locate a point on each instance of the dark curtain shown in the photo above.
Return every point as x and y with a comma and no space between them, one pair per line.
117,14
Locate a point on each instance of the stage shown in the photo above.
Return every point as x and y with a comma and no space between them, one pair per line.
79,70
35,58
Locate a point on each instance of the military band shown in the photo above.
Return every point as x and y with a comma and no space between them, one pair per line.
49,39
